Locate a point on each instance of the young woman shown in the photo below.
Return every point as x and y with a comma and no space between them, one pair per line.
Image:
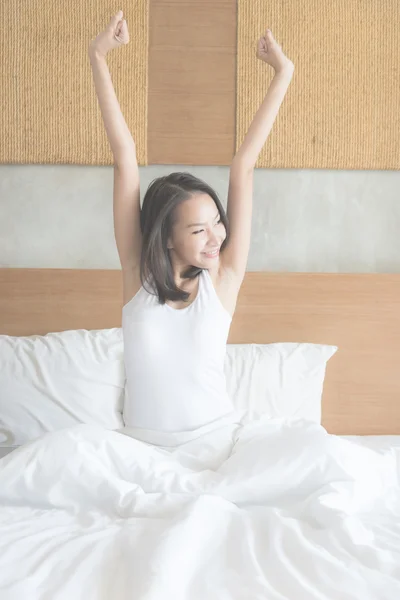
183,259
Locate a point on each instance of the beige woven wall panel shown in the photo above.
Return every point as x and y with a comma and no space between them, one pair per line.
49,110
184,72
342,110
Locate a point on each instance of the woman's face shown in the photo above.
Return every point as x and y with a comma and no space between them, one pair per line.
197,234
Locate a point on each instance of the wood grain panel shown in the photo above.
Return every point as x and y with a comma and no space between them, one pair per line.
359,313
37,301
192,74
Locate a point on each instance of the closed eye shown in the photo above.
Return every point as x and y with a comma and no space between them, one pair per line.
200,230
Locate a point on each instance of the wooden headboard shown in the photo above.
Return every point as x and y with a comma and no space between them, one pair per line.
359,313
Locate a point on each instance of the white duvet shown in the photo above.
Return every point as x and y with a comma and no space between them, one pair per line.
271,509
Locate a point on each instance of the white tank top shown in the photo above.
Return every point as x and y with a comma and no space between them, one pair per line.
174,361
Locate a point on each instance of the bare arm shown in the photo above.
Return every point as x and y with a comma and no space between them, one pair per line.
269,52
120,138
126,203
264,118
240,193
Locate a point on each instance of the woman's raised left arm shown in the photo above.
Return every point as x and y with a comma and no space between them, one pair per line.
239,207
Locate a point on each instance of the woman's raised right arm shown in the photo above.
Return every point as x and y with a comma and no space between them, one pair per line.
120,138
126,203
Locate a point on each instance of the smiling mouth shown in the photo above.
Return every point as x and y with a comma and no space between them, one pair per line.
212,254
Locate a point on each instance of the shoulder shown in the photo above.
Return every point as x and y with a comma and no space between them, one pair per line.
227,287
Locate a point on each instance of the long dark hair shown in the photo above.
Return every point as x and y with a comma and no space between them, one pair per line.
157,217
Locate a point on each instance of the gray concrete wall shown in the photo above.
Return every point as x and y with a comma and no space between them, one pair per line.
303,220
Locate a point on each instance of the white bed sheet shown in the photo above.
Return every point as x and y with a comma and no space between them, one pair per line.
379,443
272,509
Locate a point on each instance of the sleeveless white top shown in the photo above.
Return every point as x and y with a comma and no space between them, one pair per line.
174,361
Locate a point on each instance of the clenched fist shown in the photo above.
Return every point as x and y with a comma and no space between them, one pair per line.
114,35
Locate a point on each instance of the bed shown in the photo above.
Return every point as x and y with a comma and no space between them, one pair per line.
280,505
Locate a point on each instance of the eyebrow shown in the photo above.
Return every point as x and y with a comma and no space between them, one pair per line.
197,224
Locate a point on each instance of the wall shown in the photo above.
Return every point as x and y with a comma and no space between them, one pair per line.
303,220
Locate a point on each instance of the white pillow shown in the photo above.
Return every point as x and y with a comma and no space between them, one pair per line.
78,376
280,380
58,380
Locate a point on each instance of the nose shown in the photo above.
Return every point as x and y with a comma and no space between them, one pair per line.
213,240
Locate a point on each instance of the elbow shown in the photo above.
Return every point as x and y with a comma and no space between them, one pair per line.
243,163
244,159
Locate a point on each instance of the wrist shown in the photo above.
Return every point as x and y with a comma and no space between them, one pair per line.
285,70
95,54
